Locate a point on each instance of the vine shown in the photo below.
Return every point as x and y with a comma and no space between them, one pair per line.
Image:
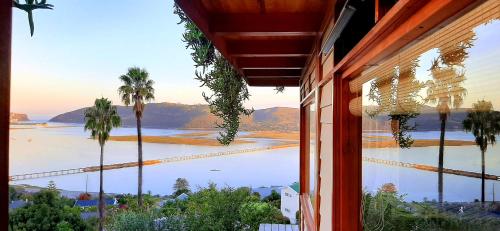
228,89
29,6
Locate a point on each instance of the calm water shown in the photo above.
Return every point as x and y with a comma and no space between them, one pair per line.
418,185
46,149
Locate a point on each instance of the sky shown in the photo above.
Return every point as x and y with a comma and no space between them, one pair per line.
80,48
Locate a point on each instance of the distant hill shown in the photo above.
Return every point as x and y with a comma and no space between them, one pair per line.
428,120
18,117
174,115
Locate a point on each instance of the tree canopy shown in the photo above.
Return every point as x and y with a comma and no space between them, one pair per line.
48,211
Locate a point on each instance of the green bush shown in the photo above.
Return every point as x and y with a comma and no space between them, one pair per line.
255,213
48,211
387,211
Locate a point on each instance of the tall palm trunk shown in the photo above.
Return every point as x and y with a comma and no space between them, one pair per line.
443,118
482,175
139,180
101,191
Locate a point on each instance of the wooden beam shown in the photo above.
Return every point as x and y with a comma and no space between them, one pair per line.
347,184
271,62
278,47
256,25
5,58
273,82
272,72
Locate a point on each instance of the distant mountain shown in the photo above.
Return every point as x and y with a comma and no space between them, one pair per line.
18,117
428,120
174,115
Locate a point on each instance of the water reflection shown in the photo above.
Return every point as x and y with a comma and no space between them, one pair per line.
435,97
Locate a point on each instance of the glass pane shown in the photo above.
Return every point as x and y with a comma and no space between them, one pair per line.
430,121
312,152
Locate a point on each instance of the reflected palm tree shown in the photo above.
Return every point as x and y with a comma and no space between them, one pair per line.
445,89
484,123
398,96
100,120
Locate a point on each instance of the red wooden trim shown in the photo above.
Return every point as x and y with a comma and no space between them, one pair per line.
381,8
272,72
292,47
5,58
402,25
275,24
317,201
305,205
274,81
347,160
328,21
268,62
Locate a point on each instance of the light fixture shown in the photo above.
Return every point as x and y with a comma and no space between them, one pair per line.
344,17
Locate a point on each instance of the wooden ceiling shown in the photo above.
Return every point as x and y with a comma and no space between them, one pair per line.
268,41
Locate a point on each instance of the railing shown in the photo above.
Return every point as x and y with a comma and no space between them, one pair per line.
38,175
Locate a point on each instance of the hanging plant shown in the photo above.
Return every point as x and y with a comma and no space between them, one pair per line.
29,6
228,89
398,96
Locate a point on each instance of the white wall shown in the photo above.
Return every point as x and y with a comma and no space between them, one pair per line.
289,203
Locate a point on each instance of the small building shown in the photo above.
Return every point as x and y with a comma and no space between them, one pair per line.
290,201
13,205
182,197
95,203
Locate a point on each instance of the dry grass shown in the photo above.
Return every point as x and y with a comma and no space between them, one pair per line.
273,135
175,140
195,134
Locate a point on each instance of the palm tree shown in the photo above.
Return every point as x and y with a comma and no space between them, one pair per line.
137,89
446,90
100,119
484,123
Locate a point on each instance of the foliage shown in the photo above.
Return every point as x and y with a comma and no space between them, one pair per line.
137,89
255,213
484,123
64,226
52,186
448,75
13,194
274,199
181,186
386,210
227,86
143,221
100,119
402,132
398,96
47,212
149,202
224,209
279,89
29,6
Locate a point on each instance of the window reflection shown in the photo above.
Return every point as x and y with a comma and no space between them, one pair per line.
312,153
430,121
